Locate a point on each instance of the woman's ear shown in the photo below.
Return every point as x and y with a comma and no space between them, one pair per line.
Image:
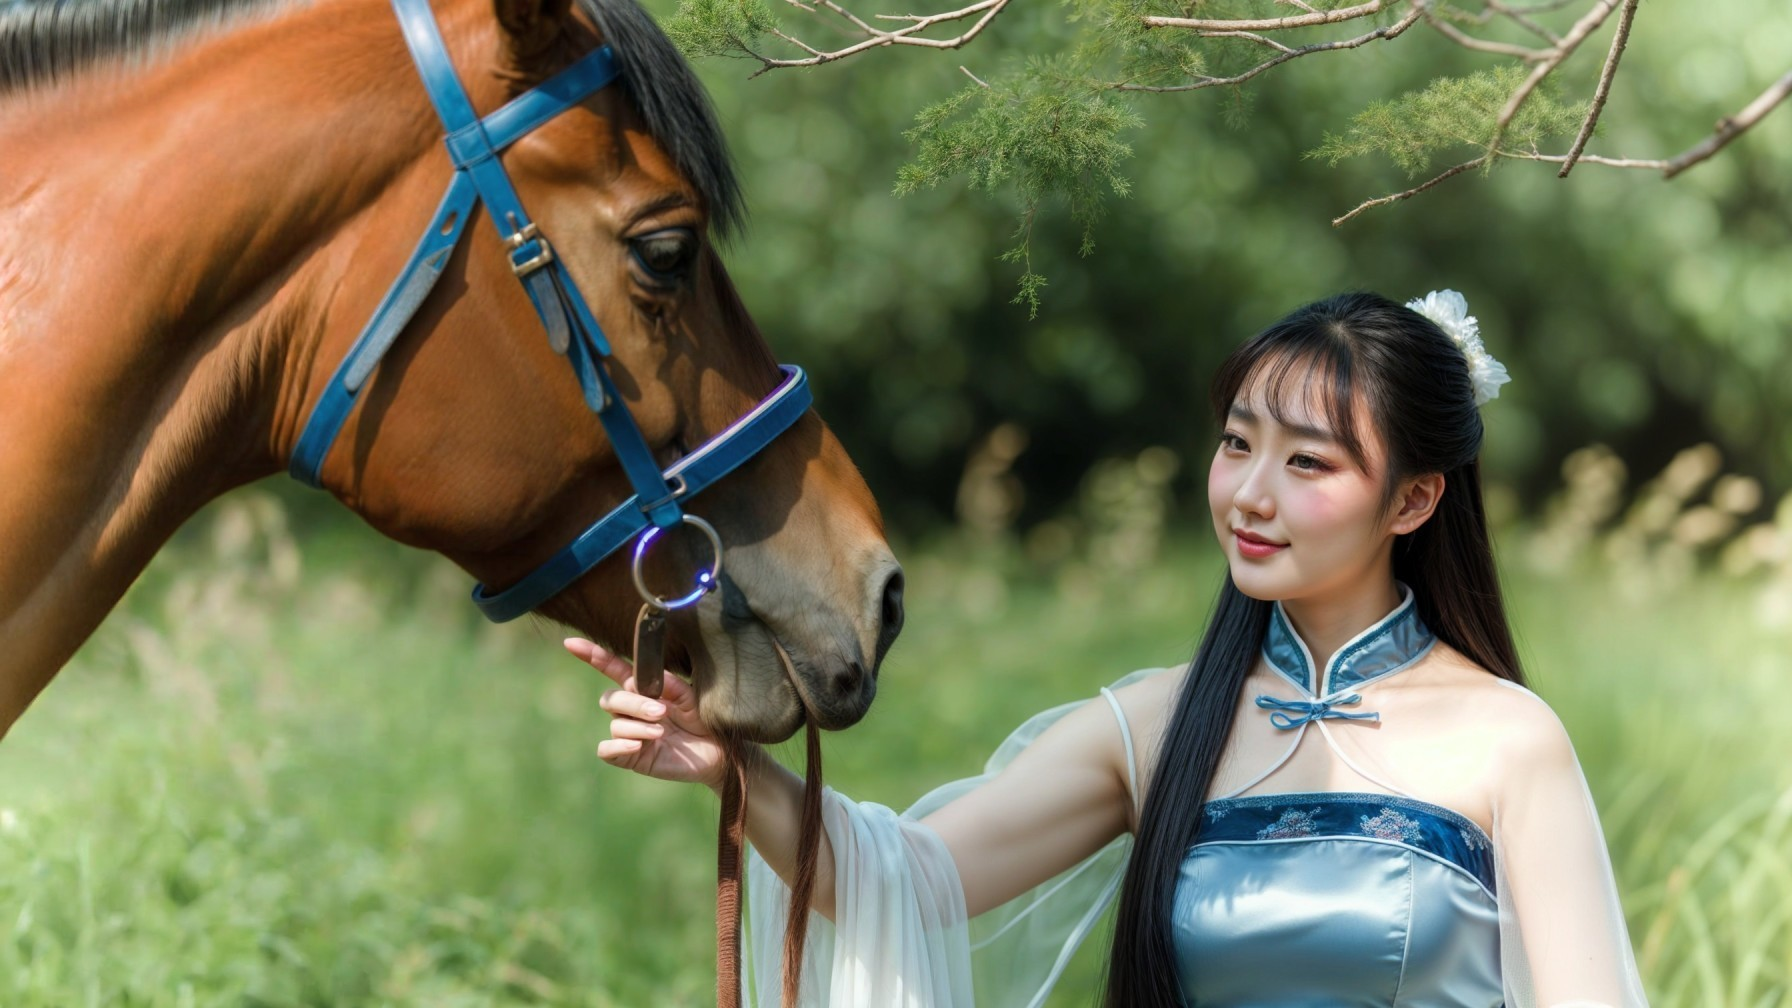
1417,500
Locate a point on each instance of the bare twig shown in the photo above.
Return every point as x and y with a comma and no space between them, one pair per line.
1285,55
968,73
1610,162
799,43
1263,40
908,34
1518,17
1619,39
1269,24
1414,191
1731,127
1467,41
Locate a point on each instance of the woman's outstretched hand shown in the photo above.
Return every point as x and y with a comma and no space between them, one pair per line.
658,738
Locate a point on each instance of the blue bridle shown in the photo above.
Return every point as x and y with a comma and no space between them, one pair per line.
473,146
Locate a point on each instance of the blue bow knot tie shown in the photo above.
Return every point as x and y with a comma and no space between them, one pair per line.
1312,710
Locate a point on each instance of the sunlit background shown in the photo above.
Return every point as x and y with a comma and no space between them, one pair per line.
296,768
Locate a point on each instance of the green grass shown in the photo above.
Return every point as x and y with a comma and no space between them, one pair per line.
265,786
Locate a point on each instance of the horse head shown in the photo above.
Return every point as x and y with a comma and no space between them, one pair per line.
473,438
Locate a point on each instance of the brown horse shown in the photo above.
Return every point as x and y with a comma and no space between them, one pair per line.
199,208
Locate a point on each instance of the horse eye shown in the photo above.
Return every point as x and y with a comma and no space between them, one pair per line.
665,256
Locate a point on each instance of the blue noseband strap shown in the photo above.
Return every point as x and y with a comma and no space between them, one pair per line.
473,146
716,458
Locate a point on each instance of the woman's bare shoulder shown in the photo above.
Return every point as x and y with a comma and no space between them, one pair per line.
1147,704
1519,726
1147,700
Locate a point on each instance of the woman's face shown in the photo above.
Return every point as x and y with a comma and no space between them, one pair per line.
1296,486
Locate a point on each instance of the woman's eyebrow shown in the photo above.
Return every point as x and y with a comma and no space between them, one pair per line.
1243,414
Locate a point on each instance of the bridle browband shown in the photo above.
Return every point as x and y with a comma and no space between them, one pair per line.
479,177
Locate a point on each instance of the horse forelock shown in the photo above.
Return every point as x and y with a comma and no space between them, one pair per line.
665,90
43,42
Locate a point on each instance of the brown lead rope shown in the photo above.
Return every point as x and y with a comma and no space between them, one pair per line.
730,839
729,836
808,845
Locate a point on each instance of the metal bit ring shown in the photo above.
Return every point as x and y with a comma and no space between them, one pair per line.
706,579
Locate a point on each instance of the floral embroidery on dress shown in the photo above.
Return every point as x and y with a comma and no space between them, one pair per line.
1294,823
1391,825
1474,840
1216,813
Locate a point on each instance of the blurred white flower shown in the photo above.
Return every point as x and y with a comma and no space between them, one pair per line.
1449,310
9,820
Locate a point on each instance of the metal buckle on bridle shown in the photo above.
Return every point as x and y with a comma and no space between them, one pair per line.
706,579
674,490
528,233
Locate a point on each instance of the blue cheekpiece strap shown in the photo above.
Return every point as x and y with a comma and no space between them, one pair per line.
473,145
394,312
469,141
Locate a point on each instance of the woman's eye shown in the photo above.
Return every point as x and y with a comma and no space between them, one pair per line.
665,256
1311,463
1232,441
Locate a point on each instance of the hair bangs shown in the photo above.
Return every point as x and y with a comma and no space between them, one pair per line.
1296,369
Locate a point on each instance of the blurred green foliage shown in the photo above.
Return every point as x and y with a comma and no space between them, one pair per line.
1643,313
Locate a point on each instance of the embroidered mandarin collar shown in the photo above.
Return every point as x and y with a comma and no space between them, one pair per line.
1394,642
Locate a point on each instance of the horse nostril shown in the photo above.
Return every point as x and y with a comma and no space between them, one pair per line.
848,680
891,615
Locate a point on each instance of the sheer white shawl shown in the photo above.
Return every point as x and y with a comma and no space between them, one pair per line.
901,939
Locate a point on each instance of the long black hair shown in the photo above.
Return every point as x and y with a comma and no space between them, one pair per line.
1415,384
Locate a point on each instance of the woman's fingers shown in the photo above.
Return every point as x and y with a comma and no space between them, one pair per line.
621,672
613,665
627,703
676,690
618,750
638,731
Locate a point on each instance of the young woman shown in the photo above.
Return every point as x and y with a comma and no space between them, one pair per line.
1402,823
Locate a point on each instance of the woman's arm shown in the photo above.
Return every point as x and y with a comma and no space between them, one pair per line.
1061,799
1564,940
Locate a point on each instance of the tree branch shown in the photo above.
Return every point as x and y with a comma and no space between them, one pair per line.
1284,56
1610,162
1728,129
1576,35
1467,41
908,34
1518,17
1414,191
1619,39
1731,127
1269,24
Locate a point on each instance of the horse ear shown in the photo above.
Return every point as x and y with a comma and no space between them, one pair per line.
530,26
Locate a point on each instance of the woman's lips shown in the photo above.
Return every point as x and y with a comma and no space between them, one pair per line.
1256,550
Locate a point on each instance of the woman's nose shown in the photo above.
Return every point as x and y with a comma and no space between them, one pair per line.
1253,495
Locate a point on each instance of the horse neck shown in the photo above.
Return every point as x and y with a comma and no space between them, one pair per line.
169,238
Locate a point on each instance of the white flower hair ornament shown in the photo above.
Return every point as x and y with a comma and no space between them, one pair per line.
1450,311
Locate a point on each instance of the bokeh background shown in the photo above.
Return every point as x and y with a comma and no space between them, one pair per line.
295,768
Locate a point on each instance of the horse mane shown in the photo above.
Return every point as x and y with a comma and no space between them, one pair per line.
46,41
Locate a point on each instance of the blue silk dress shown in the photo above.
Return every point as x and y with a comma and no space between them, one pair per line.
1338,898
